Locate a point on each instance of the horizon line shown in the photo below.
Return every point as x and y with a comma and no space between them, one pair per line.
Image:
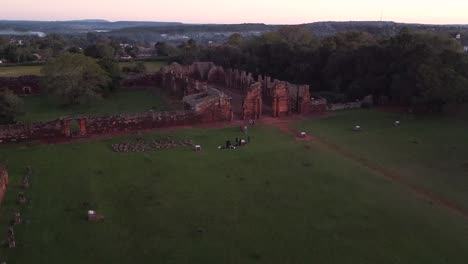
238,23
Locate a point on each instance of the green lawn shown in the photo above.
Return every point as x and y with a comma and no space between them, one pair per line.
151,66
15,71
40,108
276,200
431,152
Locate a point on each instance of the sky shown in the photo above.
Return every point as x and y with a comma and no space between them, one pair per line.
240,11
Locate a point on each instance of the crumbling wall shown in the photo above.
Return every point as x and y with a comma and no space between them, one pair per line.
23,85
299,98
252,104
217,75
178,85
319,105
210,105
142,80
200,70
3,182
33,131
140,121
280,100
238,80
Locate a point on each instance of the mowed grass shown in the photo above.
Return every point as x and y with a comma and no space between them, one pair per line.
42,108
16,71
429,152
276,200
151,66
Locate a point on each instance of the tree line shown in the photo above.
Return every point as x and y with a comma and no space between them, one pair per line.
426,71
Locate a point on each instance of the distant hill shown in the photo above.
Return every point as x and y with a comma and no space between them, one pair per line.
75,26
175,31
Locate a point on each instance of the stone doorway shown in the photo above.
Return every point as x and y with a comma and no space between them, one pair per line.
75,127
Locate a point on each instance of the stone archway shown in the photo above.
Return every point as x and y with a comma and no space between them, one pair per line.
27,90
75,127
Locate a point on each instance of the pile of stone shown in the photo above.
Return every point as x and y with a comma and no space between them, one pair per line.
141,145
16,219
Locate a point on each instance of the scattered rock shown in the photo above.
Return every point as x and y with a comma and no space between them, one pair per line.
140,145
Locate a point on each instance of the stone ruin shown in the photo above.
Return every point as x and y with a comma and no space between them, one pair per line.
3,182
213,103
281,98
209,93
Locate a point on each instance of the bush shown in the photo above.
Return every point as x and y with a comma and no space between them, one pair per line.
10,107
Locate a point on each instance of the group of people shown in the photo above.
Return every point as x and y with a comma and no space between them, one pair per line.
239,141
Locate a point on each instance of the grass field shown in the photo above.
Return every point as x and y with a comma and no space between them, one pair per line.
40,108
276,200
151,66
16,71
431,152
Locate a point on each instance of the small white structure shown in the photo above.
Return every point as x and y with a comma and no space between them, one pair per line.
303,134
91,215
197,148
397,123
357,128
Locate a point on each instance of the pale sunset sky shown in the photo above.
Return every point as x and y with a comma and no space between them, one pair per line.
239,11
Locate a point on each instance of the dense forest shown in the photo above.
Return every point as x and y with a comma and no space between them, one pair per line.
425,70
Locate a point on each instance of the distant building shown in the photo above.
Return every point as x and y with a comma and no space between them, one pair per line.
465,49
458,36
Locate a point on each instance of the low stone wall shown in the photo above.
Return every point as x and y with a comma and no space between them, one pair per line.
345,106
318,105
23,85
140,121
216,110
142,80
3,182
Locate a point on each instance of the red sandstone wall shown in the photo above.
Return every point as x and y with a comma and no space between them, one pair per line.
59,129
3,182
280,100
252,104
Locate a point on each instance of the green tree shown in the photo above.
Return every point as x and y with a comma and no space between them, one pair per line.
10,107
74,78
112,69
132,51
100,51
236,40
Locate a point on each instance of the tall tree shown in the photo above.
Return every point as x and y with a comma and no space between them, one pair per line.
10,107
74,78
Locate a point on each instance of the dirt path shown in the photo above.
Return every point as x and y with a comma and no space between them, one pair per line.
418,191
